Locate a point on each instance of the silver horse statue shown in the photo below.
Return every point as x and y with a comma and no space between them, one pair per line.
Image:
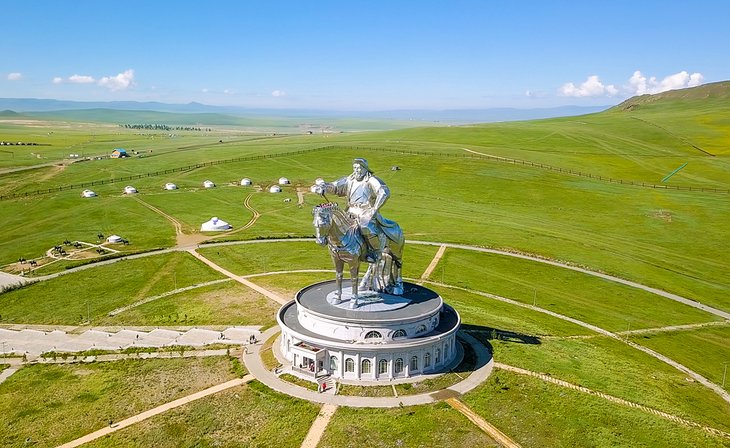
341,234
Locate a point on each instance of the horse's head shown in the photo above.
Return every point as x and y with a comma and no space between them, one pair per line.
323,221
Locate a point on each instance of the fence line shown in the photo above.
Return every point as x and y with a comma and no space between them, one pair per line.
357,148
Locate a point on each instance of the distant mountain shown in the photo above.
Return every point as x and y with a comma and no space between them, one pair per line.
715,90
451,116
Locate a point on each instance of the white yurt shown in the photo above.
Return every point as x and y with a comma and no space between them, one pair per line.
87,194
275,189
208,184
245,181
319,181
114,239
129,189
170,186
215,225
283,181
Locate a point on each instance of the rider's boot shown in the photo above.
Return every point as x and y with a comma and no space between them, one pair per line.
376,246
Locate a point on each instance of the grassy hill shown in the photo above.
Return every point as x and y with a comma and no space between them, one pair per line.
509,186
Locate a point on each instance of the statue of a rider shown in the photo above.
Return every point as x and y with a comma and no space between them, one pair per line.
365,194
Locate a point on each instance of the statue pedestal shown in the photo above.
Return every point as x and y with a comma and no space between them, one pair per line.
367,301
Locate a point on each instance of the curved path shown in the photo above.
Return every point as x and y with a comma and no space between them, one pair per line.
659,292
716,388
682,368
254,364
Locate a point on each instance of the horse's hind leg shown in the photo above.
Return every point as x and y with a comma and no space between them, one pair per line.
366,284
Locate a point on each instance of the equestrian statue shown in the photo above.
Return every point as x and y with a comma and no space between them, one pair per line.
360,233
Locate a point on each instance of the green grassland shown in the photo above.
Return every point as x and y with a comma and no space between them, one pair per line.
611,367
92,293
705,350
534,413
53,404
250,415
609,305
226,304
436,425
669,239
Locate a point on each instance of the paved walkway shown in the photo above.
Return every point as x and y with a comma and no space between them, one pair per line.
32,343
5,374
11,280
155,411
255,365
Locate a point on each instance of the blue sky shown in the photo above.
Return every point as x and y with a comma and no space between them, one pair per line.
366,55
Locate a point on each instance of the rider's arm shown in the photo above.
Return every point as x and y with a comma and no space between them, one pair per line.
382,193
338,187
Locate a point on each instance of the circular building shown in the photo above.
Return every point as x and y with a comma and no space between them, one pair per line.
386,337
245,181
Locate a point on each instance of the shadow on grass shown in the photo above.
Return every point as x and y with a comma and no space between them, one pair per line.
486,334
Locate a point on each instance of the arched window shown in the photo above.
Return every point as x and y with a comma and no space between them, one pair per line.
446,351
373,335
365,366
399,334
414,363
438,356
333,363
426,360
421,329
349,365
399,365
382,367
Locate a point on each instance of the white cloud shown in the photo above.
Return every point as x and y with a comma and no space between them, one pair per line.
121,81
278,93
591,87
81,79
640,84
15,76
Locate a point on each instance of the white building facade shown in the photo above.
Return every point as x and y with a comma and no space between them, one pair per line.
385,338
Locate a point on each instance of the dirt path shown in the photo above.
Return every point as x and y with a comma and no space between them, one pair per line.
659,292
300,196
183,240
166,294
319,425
484,425
271,295
255,216
158,410
675,328
429,270
611,398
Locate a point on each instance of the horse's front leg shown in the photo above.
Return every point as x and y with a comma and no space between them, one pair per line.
354,274
339,269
